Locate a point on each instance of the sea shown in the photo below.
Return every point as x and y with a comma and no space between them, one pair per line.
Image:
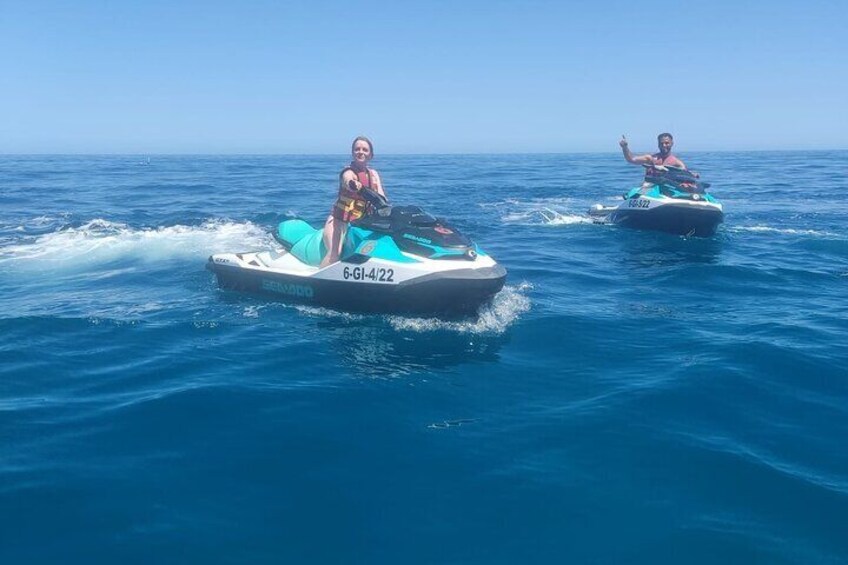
628,397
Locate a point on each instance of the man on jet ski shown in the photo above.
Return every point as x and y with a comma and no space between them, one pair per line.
657,162
351,203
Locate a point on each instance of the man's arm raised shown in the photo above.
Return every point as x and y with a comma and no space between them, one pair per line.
640,160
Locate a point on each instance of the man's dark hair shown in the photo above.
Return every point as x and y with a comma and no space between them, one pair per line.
662,135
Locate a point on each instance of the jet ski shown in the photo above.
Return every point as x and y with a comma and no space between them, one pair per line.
671,200
396,259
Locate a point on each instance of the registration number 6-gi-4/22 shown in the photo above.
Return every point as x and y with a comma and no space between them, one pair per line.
638,203
373,274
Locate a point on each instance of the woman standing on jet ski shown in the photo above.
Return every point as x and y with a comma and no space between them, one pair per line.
350,204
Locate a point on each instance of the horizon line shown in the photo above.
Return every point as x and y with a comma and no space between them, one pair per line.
403,154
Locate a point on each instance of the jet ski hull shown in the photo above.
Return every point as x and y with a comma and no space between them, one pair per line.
675,219
372,286
689,217
398,259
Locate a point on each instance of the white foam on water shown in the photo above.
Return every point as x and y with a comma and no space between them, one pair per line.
506,307
251,312
554,218
40,222
539,211
320,312
784,231
100,241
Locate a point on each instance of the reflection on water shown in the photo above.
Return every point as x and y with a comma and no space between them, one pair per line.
636,249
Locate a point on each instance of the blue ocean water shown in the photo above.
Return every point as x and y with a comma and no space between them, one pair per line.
629,397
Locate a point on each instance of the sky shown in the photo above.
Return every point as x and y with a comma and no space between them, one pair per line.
158,77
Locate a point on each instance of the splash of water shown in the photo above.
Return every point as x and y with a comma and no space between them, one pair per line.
783,231
539,211
506,307
554,218
100,241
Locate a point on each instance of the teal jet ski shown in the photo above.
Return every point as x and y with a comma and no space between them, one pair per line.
671,200
397,259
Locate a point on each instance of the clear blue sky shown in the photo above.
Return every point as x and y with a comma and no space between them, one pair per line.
425,77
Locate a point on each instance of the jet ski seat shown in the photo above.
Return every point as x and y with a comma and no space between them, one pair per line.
307,243
303,241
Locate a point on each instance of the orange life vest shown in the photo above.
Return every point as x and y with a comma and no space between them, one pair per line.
350,205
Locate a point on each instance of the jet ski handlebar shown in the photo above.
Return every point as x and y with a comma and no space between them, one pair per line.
675,176
377,200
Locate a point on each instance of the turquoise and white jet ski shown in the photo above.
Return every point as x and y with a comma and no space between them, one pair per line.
398,259
672,201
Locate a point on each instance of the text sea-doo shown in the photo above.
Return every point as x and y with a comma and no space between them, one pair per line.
395,260
676,203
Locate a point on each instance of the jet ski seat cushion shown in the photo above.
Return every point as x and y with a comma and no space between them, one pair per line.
304,242
307,243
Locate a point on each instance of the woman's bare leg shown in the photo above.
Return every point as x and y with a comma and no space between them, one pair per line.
334,232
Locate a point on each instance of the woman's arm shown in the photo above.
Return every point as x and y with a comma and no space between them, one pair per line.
345,179
378,183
